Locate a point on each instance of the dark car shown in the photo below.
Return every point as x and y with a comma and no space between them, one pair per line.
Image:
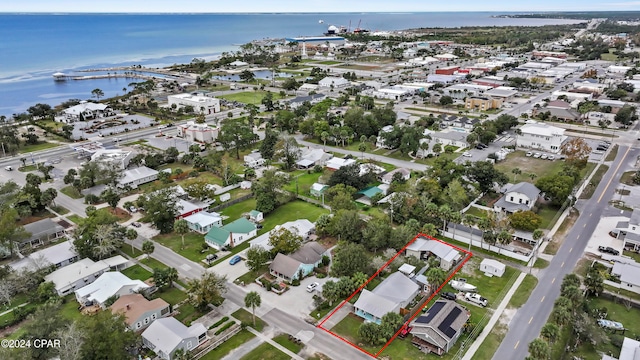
135,224
448,296
479,147
608,250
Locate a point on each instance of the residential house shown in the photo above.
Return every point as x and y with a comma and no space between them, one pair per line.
82,273
300,100
138,311
256,216
336,163
306,89
318,189
299,264
201,133
519,197
541,136
302,227
370,168
630,350
422,248
59,255
388,177
203,221
368,193
253,160
453,138
41,232
109,284
440,327
392,294
492,267
189,207
333,83
167,335
313,157
201,104
381,142
115,158
629,231
134,177
629,275
85,111
232,234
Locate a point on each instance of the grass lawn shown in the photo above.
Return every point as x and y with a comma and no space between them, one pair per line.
290,345
612,154
246,317
60,210
524,290
77,219
251,276
226,347
249,97
479,213
120,214
491,343
69,309
541,263
329,62
290,211
172,295
618,312
236,210
265,351
610,56
71,192
37,147
304,181
153,263
193,245
548,214
127,249
634,255
348,328
554,244
188,313
595,180
137,272
28,168
528,165
627,178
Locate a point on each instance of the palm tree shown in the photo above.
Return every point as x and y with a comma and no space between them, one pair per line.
516,172
131,234
181,227
469,220
550,331
253,300
362,147
148,247
484,224
532,176
324,137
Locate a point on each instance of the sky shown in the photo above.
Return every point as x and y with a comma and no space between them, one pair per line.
311,6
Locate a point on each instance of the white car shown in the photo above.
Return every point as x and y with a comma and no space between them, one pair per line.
312,287
8,168
537,155
529,153
543,156
466,154
476,298
551,157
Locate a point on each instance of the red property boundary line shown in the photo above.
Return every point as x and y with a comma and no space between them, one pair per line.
468,256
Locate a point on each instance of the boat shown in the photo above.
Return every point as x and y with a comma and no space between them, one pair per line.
462,285
320,21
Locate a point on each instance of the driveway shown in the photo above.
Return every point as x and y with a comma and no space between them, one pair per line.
601,237
232,272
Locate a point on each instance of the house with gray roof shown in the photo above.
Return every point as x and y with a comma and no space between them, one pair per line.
440,327
167,335
392,294
134,177
519,197
59,255
300,100
423,248
42,232
629,275
299,264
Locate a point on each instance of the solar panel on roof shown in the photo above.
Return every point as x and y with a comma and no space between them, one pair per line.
431,313
445,325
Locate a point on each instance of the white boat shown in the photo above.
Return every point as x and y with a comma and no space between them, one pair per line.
462,286
320,21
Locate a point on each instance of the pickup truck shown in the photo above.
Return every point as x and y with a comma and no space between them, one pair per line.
476,298
608,250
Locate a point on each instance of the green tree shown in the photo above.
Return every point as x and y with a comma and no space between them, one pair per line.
377,231
97,93
359,279
288,152
330,292
446,100
370,333
268,145
346,225
539,349
45,321
208,289
257,257
236,134
349,259
284,240
161,208
148,247
164,278
267,191
594,282
389,324
340,197
525,220
556,187
267,101
181,227
252,300
107,337
436,276
550,331
112,198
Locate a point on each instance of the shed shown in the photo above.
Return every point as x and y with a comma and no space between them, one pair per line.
256,215
492,267
407,269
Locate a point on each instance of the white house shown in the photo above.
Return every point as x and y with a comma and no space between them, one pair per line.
336,163
202,133
253,160
203,221
59,255
85,111
492,267
380,142
388,177
629,275
82,273
335,83
302,227
165,336
231,234
115,157
134,177
201,104
300,100
312,157
541,137
423,248
519,197
107,285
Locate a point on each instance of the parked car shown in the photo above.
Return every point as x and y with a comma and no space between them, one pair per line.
8,168
133,209
405,331
479,147
551,157
529,153
608,250
135,224
312,287
476,298
466,154
543,156
537,155
448,295
234,260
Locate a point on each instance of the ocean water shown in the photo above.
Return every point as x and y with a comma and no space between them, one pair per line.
34,46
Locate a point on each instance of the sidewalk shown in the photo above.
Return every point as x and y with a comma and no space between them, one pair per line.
494,318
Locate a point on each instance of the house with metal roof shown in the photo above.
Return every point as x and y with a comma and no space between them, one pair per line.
138,311
166,336
42,232
388,177
318,189
231,234
300,100
629,275
203,221
440,327
313,157
134,177
423,248
301,227
392,294
109,284
299,264
59,255
519,197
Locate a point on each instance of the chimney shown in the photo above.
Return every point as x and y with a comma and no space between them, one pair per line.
128,307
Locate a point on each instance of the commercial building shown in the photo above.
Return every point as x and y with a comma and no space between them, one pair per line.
541,136
85,111
335,83
116,158
201,104
201,133
482,103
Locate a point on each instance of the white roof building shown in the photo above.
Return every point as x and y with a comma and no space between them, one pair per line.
85,111
336,163
82,273
200,104
541,136
165,336
138,176
202,133
108,285
58,255
118,158
335,82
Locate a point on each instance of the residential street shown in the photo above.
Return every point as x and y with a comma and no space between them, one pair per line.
533,315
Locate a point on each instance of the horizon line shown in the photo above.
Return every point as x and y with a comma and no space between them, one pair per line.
522,12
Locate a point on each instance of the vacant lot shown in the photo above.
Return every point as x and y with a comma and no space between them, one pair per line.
249,97
528,165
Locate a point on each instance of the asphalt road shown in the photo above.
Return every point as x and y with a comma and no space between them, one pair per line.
526,324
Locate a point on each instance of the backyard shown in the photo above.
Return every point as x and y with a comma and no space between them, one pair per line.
194,245
528,165
265,351
137,272
249,97
226,347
